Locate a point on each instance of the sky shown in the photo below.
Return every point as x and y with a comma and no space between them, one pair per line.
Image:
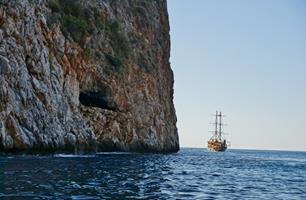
246,59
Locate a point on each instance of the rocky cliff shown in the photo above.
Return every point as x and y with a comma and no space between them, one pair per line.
78,75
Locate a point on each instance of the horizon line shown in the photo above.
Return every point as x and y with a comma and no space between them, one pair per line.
251,149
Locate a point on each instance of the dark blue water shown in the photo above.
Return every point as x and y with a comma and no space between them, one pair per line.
188,174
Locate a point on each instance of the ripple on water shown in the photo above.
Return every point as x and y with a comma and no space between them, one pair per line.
189,174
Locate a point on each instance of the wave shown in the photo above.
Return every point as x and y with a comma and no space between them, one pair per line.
74,155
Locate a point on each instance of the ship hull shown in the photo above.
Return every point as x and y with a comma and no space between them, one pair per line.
216,149
216,146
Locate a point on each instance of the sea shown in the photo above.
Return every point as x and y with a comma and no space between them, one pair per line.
191,173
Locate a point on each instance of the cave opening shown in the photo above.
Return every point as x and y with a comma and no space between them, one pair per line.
95,99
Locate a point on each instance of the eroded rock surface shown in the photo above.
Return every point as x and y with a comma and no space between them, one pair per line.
86,75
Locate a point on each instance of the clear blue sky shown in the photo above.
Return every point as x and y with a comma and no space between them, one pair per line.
247,59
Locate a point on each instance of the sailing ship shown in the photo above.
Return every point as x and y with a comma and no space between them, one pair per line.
217,142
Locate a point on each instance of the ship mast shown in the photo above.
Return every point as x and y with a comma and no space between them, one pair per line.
216,125
220,126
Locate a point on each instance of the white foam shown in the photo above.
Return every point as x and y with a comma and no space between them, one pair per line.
114,153
74,155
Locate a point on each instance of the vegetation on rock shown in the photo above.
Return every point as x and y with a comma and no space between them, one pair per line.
77,22
116,62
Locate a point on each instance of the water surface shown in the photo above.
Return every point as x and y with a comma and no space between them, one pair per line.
188,174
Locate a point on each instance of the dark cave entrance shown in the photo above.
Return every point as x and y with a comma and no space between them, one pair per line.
95,99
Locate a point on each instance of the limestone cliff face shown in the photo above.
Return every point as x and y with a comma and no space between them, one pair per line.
86,75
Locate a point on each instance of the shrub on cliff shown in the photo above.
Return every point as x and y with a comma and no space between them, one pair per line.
54,5
118,41
78,21
73,17
115,61
77,27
